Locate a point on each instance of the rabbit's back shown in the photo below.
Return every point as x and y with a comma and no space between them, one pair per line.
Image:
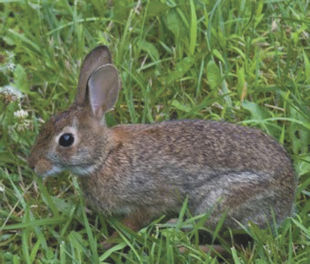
220,145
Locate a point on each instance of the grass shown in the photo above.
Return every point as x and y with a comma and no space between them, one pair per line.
246,62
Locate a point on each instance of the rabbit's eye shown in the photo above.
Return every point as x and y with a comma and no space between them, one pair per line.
66,140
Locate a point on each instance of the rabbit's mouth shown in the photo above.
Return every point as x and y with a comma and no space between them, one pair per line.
44,168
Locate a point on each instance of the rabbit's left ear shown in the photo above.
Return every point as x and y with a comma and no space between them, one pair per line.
103,88
97,57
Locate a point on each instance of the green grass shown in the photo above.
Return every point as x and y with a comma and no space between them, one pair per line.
242,61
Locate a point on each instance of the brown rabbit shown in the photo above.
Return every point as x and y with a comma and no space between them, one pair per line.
143,171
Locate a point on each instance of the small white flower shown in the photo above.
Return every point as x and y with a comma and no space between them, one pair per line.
274,25
11,90
11,66
21,114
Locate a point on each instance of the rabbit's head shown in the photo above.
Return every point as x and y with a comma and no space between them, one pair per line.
75,138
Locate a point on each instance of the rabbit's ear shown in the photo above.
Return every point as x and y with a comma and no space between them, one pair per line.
97,57
103,87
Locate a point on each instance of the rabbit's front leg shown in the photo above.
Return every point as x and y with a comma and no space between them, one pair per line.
134,221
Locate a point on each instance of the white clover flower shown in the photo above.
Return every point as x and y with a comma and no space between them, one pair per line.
9,90
21,114
11,66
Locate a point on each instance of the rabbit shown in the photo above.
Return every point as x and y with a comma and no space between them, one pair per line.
142,171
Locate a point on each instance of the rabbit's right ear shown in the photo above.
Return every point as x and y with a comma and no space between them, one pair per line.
97,57
103,88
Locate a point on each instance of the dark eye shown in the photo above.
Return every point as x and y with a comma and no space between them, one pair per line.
66,140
